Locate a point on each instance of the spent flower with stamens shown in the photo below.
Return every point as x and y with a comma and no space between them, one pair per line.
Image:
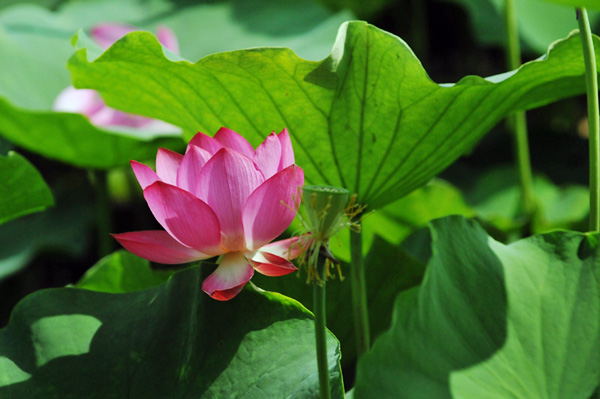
222,198
326,212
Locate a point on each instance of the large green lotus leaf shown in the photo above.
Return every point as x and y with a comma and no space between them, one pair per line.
23,188
35,48
389,271
367,118
493,321
172,341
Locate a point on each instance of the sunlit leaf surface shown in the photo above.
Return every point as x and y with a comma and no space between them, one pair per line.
367,118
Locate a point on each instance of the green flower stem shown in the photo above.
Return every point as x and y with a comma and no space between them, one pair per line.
359,295
517,122
591,80
319,302
98,180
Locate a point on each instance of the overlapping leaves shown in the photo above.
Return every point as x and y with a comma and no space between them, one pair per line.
493,321
172,341
36,45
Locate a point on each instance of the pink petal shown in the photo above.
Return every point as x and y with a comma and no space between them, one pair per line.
206,142
80,101
287,152
167,38
272,207
107,116
158,246
268,155
227,281
272,265
108,33
144,174
167,163
225,183
235,141
188,219
193,161
289,248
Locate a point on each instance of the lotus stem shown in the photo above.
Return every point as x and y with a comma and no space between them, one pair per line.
517,122
359,295
591,80
319,307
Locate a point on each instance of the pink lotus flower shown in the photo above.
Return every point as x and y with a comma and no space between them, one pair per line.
89,103
222,198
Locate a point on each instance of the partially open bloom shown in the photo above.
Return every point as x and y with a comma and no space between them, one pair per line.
222,198
89,103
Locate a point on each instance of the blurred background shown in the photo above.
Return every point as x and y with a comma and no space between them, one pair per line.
452,38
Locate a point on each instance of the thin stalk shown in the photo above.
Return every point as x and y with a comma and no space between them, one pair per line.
591,82
319,302
359,295
103,211
518,122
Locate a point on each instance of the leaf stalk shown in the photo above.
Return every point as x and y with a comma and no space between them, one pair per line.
319,306
517,122
359,294
591,80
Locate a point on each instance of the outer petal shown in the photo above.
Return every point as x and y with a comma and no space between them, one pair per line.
287,152
206,142
167,38
268,155
290,248
167,163
227,281
235,141
144,174
158,246
225,183
81,101
187,219
272,207
272,265
106,34
193,161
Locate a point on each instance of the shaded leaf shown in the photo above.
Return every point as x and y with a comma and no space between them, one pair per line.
533,16
389,271
170,341
367,118
22,188
577,3
64,228
493,321
496,198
